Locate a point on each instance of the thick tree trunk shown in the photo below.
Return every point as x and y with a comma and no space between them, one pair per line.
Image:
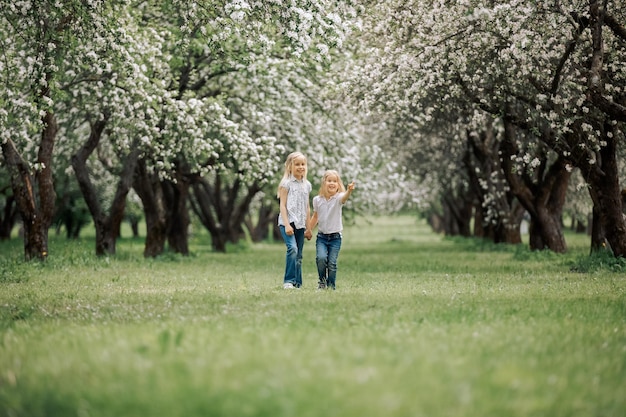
549,208
598,241
542,195
488,182
603,179
545,231
34,195
107,226
602,176
508,230
222,209
176,195
149,190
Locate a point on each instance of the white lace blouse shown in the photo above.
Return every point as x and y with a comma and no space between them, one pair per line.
297,201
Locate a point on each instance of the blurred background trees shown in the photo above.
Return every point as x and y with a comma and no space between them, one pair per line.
477,115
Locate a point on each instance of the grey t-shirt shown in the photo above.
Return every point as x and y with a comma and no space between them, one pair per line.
328,213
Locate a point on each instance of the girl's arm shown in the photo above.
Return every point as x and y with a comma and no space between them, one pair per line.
308,232
313,221
283,210
346,195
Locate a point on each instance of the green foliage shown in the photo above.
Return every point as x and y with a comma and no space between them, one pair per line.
418,326
599,261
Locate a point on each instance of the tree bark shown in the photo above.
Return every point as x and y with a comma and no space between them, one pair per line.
107,226
542,195
598,241
34,194
266,216
603,179
149,190
602,176
222,208
176,195
482,161
9,217
596,79
457,214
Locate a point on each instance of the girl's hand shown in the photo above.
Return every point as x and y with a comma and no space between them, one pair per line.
288,230
308,234
352,186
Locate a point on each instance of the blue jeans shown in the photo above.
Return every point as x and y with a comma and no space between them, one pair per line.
293,259
327,251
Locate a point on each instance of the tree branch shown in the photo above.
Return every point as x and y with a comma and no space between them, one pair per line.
596,80
618,29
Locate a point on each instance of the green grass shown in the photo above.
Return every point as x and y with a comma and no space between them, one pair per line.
420,325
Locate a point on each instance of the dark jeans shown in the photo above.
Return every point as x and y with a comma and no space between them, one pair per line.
293,259
326,253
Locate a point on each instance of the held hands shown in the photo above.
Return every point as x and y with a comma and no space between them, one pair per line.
307,233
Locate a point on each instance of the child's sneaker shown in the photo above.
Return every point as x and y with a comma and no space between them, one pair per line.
288,286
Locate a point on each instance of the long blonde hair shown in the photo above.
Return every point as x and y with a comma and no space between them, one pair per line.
289,168
323,190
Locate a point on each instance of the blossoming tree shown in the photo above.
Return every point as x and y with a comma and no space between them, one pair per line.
546,71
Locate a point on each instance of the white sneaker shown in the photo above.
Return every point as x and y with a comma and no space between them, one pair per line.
288,286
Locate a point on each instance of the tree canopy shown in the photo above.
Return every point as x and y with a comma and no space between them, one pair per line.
477,111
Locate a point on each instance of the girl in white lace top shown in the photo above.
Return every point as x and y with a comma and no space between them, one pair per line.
295,213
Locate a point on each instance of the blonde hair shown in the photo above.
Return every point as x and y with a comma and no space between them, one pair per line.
328,173
289,168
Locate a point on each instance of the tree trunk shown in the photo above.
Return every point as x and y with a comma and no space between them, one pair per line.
35,195
598,241
545,232
222,208
265,217
134,227
118,205
603,179
176,195
508,230
596,79
580,227
498,213
435,220
457,215
542,195
107,226
149,190
602,176
9,218
479,219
